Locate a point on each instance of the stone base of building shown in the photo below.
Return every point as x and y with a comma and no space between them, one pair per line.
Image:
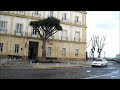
39,58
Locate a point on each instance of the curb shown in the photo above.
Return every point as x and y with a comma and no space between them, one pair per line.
55,67
1,66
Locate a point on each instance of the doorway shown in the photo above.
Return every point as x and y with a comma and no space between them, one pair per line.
33,50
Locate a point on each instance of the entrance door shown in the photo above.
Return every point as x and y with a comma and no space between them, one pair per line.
33,50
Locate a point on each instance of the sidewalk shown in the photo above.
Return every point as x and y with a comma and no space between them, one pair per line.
26,65
55,65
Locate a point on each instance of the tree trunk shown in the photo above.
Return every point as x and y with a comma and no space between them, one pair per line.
93,55
43,50
99,54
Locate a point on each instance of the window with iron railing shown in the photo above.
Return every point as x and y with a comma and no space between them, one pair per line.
50,14
77,20
64,35
77,37
65,17
34,33
16,48
1,47
63,51
20,12
76,52
36,14
3,26
49,51
18,29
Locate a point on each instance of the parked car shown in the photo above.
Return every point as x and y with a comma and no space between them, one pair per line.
118,60
99,62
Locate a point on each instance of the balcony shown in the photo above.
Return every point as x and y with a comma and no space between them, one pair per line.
64,38
26,33
77,23
18,33
77,40
4,11
36,15
20,12
65,20
3,30
49,15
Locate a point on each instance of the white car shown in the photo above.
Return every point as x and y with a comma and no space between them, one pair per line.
99,62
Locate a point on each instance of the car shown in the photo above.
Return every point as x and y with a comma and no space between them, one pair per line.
118,60
99,62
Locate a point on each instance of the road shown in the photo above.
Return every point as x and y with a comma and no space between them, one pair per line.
112,71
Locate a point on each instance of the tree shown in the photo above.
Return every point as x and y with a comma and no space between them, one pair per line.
93,45
100,45
46,28
95,42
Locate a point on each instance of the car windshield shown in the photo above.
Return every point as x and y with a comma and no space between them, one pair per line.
98,60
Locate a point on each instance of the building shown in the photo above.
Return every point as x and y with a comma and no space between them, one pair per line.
17,37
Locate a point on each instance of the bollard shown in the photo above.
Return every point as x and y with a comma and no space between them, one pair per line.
56,64
68,63
77,62
37,63
30,62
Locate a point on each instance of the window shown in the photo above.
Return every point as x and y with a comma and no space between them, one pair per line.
34,32
76,52
65,16
36,12
77,19
51,13
63,51
18,28
3,25
49,51
77,35
1,47
16,48
64,35
20,12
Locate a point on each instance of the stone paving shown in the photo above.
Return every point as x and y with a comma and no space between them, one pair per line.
24,64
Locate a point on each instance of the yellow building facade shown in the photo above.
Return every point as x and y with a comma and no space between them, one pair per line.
17,37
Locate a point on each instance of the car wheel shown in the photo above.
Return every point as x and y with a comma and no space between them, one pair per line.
92,65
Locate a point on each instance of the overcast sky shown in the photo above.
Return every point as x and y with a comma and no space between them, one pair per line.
106,23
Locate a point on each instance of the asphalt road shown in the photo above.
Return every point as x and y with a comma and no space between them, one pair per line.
112,71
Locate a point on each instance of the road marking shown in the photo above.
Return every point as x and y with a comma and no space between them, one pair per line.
111,68
88,71
100,75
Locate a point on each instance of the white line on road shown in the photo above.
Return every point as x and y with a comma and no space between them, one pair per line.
101,75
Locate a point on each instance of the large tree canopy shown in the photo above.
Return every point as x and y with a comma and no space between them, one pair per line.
46,27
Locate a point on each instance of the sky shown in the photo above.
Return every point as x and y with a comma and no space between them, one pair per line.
104,23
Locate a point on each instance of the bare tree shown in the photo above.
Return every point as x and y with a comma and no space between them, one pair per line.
100,45
93,40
